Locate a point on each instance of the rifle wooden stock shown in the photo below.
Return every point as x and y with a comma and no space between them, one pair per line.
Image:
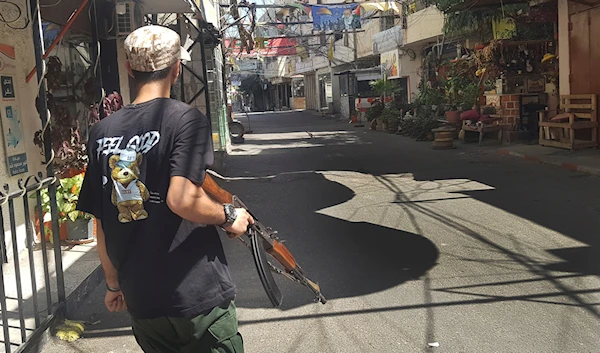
211,187
277,250
283,255
261,240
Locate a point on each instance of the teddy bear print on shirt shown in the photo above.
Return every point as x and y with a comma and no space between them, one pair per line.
128,192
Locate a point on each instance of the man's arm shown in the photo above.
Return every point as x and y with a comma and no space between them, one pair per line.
110,272
189,201
114,300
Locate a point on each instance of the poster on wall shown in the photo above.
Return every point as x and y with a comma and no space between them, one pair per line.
390,64
336,17
10,118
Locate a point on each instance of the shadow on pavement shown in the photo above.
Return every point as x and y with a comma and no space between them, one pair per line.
519,188
349,259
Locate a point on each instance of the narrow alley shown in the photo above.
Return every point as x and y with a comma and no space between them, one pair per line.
417,250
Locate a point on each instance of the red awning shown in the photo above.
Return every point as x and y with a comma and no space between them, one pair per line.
274,47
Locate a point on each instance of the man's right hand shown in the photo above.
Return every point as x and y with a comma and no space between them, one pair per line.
241,223
115,302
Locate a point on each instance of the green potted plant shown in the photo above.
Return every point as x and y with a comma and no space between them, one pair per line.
391,119
452,87
79,226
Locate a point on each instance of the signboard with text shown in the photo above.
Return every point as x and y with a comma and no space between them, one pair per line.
10,117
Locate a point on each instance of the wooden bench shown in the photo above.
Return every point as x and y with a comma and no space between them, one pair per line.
577,113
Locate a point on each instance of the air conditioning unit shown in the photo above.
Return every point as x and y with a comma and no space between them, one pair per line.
128,17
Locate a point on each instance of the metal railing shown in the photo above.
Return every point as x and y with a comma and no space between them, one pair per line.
28,191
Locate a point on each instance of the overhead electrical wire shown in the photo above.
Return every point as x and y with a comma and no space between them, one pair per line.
18,17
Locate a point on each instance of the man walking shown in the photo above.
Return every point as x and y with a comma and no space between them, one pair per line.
157,240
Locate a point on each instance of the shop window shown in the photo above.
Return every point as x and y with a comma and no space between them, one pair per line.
298,88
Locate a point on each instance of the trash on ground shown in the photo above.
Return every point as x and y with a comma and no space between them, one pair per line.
434,344
70,330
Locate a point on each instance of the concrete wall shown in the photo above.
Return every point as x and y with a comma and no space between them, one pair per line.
409,69
423,25
30,122
364,45
310,91
345,107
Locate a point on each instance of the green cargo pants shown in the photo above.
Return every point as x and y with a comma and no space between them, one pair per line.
215,332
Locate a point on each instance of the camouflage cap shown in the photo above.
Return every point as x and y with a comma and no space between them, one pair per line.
153,48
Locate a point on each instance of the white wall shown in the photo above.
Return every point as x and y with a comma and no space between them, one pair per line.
30,122
409,68
423,25
364,44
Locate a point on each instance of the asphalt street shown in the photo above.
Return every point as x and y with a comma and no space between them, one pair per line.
417,250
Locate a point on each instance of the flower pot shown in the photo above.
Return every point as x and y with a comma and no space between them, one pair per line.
452,116
48,230
81,231
72,172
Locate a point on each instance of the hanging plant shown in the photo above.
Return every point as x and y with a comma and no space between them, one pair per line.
67,140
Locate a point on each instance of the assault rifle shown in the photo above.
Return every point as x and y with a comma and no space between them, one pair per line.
263,239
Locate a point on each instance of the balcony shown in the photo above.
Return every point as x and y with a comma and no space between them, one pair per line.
423,25
388,40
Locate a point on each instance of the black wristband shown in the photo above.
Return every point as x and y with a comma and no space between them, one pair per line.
111,289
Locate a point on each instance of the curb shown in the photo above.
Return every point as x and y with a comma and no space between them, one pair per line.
568,166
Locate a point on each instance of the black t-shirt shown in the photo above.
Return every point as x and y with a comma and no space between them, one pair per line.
167,266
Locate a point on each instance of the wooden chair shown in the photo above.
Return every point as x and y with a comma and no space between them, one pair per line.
577,112
483,126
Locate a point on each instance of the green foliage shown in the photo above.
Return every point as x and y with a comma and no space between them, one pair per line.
384,87
419,127
374,111
474,22
429,96
470,95
391,117
67,195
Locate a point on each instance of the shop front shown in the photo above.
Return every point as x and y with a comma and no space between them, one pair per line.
298,95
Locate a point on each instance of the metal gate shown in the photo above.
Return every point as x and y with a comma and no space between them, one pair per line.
205,39
32,287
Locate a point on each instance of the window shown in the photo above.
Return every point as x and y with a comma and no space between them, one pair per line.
387,20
